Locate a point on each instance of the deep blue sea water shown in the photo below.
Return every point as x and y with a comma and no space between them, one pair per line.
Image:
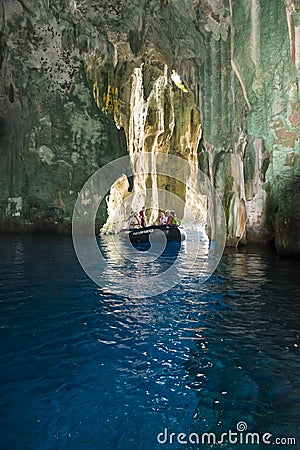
84,369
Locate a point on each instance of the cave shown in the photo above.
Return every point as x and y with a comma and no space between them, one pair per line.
180,111
218,77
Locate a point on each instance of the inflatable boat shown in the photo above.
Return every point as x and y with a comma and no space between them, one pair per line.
154,234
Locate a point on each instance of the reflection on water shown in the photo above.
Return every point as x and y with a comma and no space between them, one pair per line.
156,267
246,360
82,368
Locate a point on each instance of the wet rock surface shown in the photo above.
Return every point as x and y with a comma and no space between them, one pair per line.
77,77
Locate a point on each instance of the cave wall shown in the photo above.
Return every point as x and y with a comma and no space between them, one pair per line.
70,102
68,94
52,134
251,117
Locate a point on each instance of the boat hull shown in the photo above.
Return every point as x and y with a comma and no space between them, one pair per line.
154,234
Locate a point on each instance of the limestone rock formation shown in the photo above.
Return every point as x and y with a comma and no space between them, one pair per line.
214,81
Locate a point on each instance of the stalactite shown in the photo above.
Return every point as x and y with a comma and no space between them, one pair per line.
159,88
116,206
216,88
138,114
255,33
233,63
290,9
207,90
254,192
225,87
164,121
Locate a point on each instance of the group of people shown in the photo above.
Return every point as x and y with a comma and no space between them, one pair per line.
138,219
168,218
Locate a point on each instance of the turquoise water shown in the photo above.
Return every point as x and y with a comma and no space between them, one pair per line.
85,369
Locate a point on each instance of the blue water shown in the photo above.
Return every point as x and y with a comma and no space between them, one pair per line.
83,369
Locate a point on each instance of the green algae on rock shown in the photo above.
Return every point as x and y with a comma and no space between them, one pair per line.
76,75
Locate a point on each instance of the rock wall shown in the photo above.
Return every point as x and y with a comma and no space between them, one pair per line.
271,80
251,117
83,83
52,135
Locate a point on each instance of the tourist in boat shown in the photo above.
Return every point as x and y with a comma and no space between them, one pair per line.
134,220
143,217
162,218
138,219
175,220
130,220
169,217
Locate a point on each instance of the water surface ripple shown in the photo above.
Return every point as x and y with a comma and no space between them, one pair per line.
83,369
